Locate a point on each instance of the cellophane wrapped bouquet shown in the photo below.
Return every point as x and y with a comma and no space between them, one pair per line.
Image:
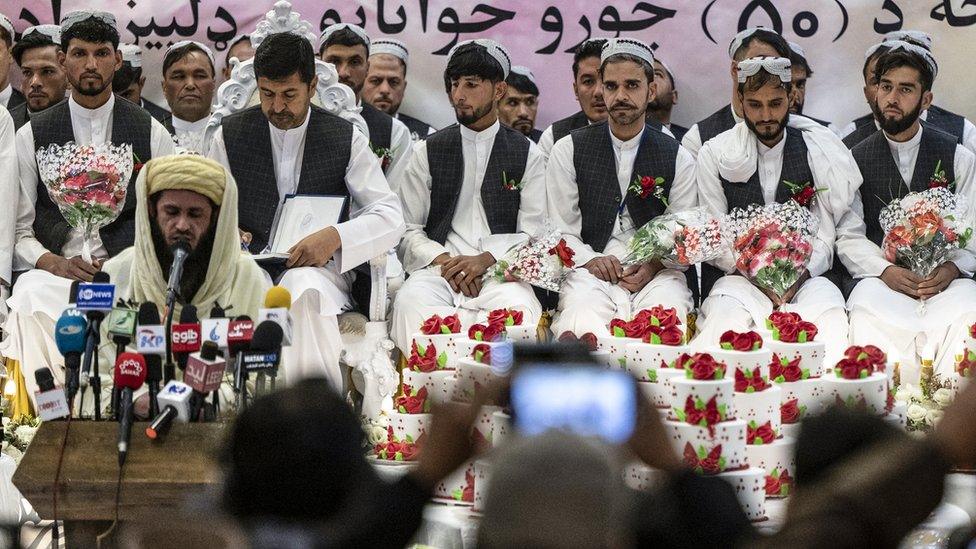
87,182
772,244
681,238
544,261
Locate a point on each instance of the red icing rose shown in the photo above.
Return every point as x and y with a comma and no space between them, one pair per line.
432,325
868,355
778,483
749,341
967,366
788,333
790,412
505,317
849,368
702,414
704,367
565,254
637,328
482,353
413,401
618,327
760,434
972,331
659,316
452,324
778,318
788,370
671,336
807,327
683,361
589,341
422,362
749,383
476,331
468,493
708,463
494,332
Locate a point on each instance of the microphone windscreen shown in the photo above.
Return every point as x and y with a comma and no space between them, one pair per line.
69,334
148,314
101,277
209,350
267,337
277,297
189,315
44,379
130,371
242,317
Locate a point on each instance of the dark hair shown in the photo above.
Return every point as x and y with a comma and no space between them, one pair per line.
472,60
344,37
760,79
590,48
891,60
522,83
282,55
181,52
92,30
237,41
766,37
306,431
617,57
5,36
867,60
828,439
125,77
29,42
798,60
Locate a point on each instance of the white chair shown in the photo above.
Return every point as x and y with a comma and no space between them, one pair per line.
366,340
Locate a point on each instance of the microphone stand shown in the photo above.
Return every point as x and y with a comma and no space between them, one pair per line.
169,368
90,364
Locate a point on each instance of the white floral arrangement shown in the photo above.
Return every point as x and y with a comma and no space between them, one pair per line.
18,434
926,404
376,429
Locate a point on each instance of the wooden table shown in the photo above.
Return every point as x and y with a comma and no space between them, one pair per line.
157,480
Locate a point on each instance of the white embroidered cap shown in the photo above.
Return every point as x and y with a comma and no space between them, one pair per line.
131,54
494,49
390,46
183,43
926,55
629,46
359,31
797,49
777,66
922,38
51,31
6,25
742,36
526,72
667,69
73,18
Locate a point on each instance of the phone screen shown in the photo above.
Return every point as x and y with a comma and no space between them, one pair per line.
586,401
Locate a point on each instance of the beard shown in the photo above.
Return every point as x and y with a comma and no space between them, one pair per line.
196,265
661,104
477,114
770,135
893,126
91,90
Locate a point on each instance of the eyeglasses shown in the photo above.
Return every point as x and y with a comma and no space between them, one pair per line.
777,66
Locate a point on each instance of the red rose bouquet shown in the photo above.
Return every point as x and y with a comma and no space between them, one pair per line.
682,238
544,261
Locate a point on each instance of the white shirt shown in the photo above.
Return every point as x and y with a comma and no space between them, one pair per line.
563,194
9,194
375,219
864,258
189,135
968,131
469,233
90,126
692,139
769,166
6,94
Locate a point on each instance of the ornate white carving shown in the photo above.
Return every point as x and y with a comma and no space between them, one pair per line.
237,93
373,373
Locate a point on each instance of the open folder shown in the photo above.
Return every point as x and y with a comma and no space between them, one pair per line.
300,216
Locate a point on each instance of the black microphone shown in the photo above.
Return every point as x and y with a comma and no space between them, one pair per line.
180,250
50,400
149,334
263,356
130,374
187,316
93,339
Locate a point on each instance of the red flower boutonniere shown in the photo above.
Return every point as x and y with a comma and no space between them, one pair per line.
939,178
510,184
643,187
803,193
384,155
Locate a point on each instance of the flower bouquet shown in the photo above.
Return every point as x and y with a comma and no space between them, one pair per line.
682,238
772,244
923,229
88,183
544,261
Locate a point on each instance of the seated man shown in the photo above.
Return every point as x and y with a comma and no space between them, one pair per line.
589,186
461,213
128,81
37,56
188,84
519,106
755,163
905,156
286,146
386,83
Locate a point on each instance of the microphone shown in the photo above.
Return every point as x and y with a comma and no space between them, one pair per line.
50,400
263,356
130,374
180,250
186,335
151,344
73,292
277,303
69,335
121,328
215,328
204,372
175,402
95,299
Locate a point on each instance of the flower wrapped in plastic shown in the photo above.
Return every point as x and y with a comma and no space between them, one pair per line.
772,244
87,182
544,261
681,238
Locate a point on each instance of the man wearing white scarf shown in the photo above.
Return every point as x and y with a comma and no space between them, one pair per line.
751,164
907,156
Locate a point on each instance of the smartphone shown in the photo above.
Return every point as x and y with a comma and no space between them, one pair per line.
584,400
